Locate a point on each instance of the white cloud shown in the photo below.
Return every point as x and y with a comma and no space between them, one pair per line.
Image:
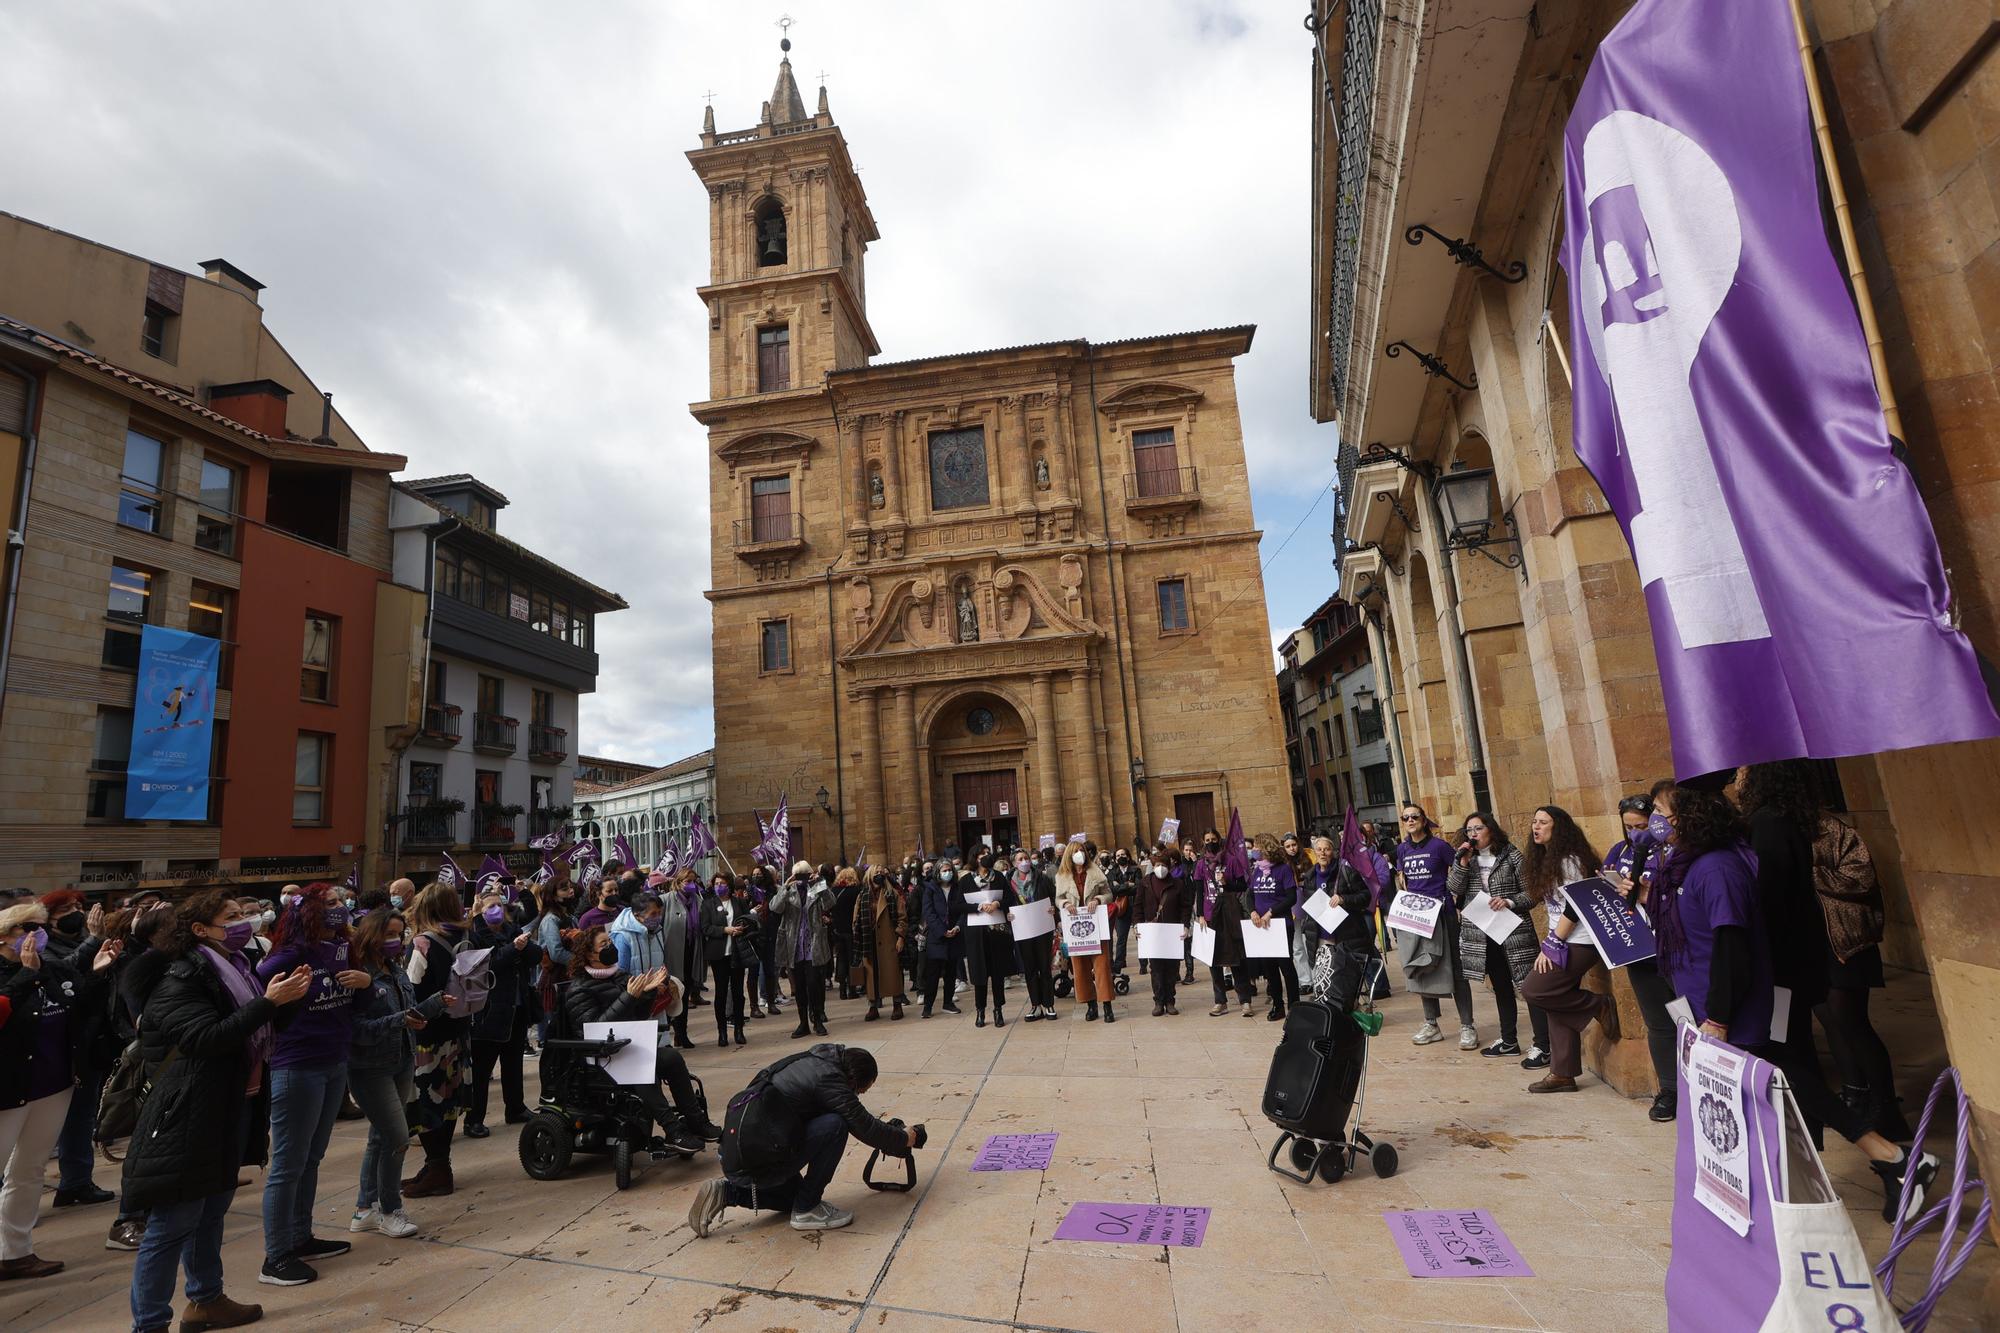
479,230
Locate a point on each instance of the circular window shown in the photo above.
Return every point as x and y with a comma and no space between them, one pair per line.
980,722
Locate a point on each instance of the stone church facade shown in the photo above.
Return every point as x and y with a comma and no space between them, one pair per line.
997,594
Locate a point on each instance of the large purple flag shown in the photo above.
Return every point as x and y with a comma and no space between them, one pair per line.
777,843
701,842
449,874
1723,402
626,856
1235,851
1356,852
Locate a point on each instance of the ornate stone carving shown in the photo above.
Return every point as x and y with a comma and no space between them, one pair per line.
968,615
861,596
1069,574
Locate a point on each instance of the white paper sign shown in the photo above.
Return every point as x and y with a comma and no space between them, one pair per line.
1033,920
1497,922
1269,941
981,896
634,1065
1204,944
1721,1138
1160,939
1681,1011
1085,935
1416,913
1325,910
1781,1011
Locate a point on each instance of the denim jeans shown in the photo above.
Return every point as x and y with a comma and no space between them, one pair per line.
187,1234
818,1154
382,1094
304,1103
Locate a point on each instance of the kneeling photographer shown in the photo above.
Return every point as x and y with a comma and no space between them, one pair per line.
784,1135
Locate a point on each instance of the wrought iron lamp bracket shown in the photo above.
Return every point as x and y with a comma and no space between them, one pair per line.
1465,254
1482,543
1432,366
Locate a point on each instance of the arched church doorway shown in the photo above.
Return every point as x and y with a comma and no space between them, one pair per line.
979,745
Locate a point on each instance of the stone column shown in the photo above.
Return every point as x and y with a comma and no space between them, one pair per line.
868,765
1028,491
1048,764
857,471
1083,768
1098,762
903,738
892,464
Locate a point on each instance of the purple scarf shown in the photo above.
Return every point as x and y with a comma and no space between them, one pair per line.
1663,905
242,986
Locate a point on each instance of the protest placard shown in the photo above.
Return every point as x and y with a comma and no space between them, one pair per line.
1033,920
1016,1152
1160,939
1272,940
1455,1242
1416,913
1135,1224
634,1064
1621,937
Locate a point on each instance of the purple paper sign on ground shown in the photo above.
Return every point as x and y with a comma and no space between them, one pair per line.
1016,1152
1135,1224
1454,1242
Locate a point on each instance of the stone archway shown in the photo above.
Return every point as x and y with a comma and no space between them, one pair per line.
978,740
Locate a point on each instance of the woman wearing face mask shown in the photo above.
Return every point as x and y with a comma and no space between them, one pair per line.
381,1064
804,904
39,1043
499,1032
602,991
1080,890
558,916
1625,865
989,945
207,1033
437,932
76,933
1559,855
1488,866
1274,892
1223,911
726,924
308,1080
1431,966
1035,956
1162,899
878,939
605,906
944,939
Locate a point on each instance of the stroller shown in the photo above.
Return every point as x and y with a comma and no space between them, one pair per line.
1319,1073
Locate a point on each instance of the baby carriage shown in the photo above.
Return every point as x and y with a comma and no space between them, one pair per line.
1319,1073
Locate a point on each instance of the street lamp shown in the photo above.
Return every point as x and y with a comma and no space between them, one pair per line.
823,800
1465,501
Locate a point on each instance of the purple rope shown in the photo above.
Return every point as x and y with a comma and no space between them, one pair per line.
1950,1261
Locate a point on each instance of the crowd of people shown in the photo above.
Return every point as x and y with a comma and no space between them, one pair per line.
231,1031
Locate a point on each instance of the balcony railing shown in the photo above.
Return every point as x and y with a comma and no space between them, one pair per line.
442,724
429,826
546,743
493,734
769,532
492,826
541,823
1162,486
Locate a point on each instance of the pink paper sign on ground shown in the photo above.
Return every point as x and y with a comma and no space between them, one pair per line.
1135,1224
1455,1242
1016,1152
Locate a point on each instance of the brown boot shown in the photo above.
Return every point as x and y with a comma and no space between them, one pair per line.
221,1312
28,1266
1553,1083
1607,1016
432,1182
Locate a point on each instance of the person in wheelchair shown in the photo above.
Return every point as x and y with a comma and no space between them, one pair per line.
602,992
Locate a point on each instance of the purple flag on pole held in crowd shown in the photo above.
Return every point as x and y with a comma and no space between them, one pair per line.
626,856
449,874
777,844
701,842
1235,851
1724,403
551,840
1355,851
490,871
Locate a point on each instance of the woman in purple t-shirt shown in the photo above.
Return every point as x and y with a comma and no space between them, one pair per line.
1423,866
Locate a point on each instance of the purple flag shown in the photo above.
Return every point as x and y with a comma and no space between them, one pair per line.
490,871
551,840
701,842
1354,851
669,861
777,841
626,856
353,880
449,874
1236,852
1723,402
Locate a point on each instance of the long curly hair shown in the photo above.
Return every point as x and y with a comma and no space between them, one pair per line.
203,908
1787,787
1542,866
305,921
1705,821
584,947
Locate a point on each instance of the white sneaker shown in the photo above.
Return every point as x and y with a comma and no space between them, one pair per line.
826,1217
365,1219
396,1224
710,1201
1468,1039
1427,1034
958,988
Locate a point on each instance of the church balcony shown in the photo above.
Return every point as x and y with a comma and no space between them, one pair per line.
1161,490
768,535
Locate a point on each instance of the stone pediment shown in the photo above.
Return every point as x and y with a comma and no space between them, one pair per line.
1011,605
1153,396
766,446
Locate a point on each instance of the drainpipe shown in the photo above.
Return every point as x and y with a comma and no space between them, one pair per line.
833,689
406,734
1117,616
17,534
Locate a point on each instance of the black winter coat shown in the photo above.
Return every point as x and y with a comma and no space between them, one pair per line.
716,943
934,902
29,990
996,940
814,1086
197,1128
514,973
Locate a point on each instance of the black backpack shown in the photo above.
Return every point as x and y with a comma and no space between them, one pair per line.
760,1131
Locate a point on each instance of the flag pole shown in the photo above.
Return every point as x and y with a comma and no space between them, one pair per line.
1843,219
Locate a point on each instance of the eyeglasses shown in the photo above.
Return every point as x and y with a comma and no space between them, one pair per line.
1413,819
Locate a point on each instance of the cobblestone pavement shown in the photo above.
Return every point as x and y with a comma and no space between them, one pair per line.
1149,1111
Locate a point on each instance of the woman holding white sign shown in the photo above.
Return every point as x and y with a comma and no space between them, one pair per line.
1035,953
1081,889
1497,943
979,904
1162,900
1558,856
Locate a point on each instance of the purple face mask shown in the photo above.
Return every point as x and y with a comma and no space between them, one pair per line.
1658,826
336,916
495,914
722,890
237,934
392,948
38,935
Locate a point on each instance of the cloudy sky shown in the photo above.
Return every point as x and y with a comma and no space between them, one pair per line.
478,229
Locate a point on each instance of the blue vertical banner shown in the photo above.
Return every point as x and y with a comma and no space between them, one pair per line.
173,725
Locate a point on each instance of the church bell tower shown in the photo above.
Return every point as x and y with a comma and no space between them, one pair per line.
788,229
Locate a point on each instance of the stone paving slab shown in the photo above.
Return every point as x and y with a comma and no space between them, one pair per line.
1149,1111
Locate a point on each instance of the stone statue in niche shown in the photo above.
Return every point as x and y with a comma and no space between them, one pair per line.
968,616
875,489
862,598
1041,472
